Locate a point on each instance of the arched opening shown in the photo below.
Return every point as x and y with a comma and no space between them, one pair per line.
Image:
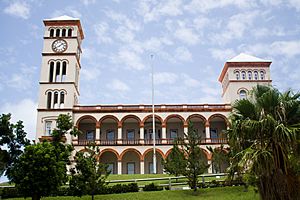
63,33
87,127
175,128
130,130
255,75
243,75
64,71
148,130
249,75
49,96
51,32
57,73
131,162
51,71
237,75
55,103
199,125
205,158
57,32
243,94
62,99
110,158
217,128
262,75
148,162
109,130
70,33
219,162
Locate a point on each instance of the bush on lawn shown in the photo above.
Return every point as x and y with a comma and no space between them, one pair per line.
152,187
9,192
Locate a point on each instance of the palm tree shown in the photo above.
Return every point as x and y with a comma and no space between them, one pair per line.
263,139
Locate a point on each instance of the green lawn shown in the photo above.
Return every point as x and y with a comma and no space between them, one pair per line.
225,193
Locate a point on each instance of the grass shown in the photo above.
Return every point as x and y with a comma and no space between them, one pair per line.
223,193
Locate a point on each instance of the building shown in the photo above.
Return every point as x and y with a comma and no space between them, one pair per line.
124,132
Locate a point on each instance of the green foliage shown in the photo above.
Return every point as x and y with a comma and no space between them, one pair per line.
189,158
9,192
88,175
12,140
219,157
264,141
152,187
41,169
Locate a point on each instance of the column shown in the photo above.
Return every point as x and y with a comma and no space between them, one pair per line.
164,134
207,133
119,167
142,135
185,130
119,135
97,133
75,138
210,167
142,167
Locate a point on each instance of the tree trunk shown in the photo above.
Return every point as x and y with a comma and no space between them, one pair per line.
36,197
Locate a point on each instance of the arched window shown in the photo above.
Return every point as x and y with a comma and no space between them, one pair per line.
249,75
64,71
49,96
255,75
237,75
70,33
262,75
57,32
57,73
62,100
55,100
51,70
63,33
243,75
243,94
51,32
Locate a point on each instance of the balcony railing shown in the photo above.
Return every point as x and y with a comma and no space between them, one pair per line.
167,141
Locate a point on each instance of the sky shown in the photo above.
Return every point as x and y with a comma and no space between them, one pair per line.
190,40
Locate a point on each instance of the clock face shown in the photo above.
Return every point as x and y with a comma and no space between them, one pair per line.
59,46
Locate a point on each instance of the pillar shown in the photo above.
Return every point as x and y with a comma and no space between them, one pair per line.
142,167
119,135
210,167
164,134
207,132
185,130
119,167
97,133
142,135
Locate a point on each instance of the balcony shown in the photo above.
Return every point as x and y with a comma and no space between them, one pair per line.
138,142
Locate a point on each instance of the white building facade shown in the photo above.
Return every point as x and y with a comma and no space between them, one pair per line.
124,132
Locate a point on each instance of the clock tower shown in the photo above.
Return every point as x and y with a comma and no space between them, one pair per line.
59,79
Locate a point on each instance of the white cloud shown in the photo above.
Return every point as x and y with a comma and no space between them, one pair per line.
18,9
222,54
183,54
187,36
123,20
90,73
129,58
23,79
124,34
118,85
295,4
165,78
24,110
189,81
67,11
101,31
88,2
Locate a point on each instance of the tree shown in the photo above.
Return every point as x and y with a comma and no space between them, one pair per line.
88,175
219,158
193,162
12,141
42,168
263,139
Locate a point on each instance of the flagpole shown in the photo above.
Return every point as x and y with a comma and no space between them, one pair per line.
153,118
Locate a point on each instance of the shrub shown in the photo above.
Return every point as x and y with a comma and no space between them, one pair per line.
152,187
10,192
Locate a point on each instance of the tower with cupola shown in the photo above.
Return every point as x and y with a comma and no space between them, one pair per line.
59,78
241,73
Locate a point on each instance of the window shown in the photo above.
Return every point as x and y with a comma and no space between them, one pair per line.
237,75
57,32
110,167
48,128
62,100
213,133
151,170
57,73
49,96
243,94
255,75
130,168
130,134
90,135
64,71
55,100
70,33
51,71
110,135
249,75
51,32
262,75
63,33
173,133
243,75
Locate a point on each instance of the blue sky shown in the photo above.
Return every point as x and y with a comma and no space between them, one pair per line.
190,41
